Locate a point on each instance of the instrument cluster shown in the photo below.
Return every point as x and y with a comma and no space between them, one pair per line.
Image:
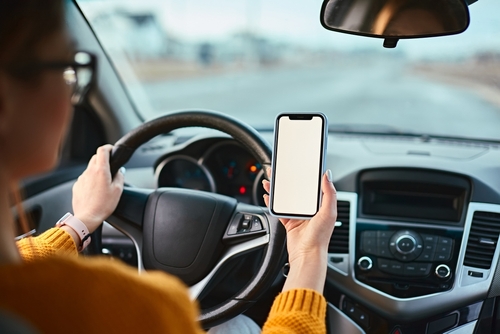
224,167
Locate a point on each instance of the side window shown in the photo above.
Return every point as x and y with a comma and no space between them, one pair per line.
85,135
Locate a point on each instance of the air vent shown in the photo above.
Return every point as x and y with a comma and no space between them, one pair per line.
482,240
339,243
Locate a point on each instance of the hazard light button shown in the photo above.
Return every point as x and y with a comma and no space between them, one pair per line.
396,330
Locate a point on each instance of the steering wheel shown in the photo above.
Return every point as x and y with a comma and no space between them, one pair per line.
192,234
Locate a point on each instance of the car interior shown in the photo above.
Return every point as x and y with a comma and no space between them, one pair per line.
415,247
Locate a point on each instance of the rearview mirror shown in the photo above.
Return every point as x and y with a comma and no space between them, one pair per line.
395,19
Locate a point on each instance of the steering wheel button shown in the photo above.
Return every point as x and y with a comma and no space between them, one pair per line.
256,225
233,229
245,225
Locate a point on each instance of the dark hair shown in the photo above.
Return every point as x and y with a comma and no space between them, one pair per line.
24,24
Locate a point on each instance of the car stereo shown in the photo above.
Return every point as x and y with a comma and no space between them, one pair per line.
406,262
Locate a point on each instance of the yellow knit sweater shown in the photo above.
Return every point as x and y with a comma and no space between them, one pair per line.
67,294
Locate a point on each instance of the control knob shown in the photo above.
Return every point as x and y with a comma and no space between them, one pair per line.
365,263
406,245
443,271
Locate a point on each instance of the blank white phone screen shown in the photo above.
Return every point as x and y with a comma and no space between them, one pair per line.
298,166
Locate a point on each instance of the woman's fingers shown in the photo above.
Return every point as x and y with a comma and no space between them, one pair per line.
266,199
267,185
103,153
329,202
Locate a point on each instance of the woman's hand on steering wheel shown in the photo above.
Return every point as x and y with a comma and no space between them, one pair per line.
96,193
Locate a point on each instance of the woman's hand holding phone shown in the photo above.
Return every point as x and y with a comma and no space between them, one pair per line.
307,240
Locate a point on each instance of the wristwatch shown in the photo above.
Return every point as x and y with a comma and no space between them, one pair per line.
78,226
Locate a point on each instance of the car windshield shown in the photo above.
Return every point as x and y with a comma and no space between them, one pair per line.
254,59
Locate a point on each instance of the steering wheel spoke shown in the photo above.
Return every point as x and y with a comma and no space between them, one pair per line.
234,250
133,233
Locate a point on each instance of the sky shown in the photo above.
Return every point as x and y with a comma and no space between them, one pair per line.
298,22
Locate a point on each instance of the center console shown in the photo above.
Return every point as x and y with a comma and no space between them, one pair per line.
409,230
406,262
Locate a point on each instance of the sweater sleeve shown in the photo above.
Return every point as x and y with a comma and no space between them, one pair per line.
51,242
297,311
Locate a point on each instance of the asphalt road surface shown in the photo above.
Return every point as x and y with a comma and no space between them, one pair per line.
349,91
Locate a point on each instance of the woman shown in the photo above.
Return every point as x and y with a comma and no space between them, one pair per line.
65,293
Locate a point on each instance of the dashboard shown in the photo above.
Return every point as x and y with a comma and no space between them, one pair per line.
415,246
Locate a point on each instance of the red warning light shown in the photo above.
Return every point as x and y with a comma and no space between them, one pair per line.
243,190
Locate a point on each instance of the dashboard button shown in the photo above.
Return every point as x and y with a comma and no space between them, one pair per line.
396,268
423,269
385,234
383,247
369,234
356,313
369,245
427,255
404,258
363,319
439,256
410,269
383,265
429,247
429,239
444,241
443,248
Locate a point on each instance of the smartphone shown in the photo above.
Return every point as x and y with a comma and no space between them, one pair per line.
300,141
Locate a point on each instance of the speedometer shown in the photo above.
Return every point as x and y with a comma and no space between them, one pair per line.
184,172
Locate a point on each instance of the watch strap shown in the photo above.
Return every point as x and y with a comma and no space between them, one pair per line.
78,226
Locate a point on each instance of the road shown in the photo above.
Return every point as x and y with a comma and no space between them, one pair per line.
348,90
